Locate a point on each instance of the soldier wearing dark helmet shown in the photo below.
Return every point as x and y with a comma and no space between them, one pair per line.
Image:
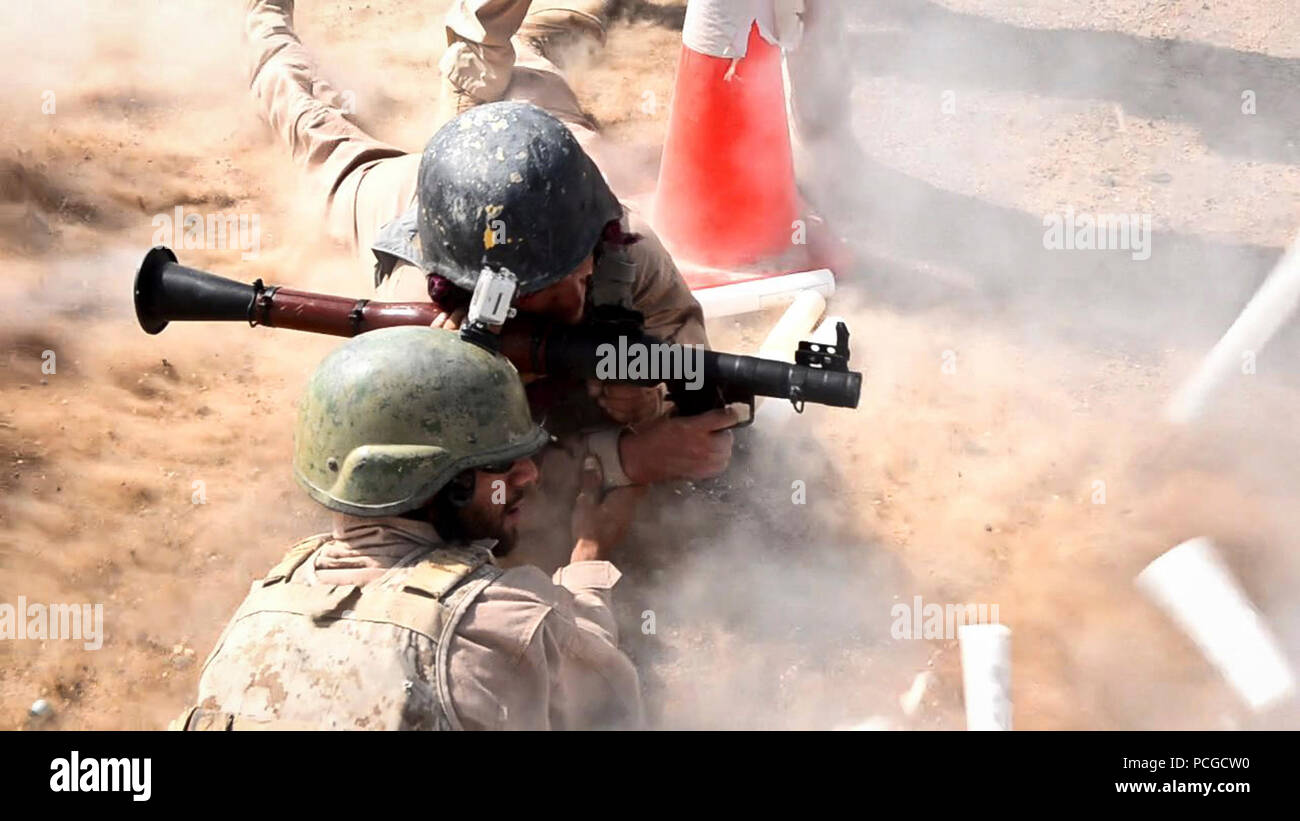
507,186
504,187
399,618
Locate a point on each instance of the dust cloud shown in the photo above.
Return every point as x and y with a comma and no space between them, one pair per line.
1008,450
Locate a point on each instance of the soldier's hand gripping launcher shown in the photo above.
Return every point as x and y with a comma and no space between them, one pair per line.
166,291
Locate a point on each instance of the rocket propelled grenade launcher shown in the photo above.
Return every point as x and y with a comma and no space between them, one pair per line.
166,291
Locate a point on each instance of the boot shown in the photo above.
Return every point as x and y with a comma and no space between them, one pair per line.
554,27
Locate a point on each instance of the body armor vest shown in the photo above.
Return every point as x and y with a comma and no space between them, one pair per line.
320,656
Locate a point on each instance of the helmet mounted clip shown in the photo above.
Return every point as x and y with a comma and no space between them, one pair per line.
492,304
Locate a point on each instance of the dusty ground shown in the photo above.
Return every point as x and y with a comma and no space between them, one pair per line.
972,486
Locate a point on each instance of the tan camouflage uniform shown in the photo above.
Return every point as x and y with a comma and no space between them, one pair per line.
379,625
366,184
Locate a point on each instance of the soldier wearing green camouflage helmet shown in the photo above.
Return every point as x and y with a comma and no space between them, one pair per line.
391,418
400,618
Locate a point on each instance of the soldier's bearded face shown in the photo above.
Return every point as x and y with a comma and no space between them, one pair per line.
562,301
498,501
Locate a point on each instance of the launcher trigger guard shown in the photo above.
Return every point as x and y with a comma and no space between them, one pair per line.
748,402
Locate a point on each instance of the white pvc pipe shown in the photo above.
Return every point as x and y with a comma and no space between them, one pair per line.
768,412
910,701
825,332
986,675
1267,310
759,294
1195,587
794,326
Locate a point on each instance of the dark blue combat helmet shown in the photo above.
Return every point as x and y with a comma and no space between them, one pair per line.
506,186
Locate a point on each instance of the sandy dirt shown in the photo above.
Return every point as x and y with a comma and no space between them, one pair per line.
151,474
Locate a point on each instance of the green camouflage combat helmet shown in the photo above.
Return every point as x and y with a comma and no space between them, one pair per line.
393,415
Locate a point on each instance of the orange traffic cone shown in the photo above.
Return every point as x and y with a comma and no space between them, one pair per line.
726,205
